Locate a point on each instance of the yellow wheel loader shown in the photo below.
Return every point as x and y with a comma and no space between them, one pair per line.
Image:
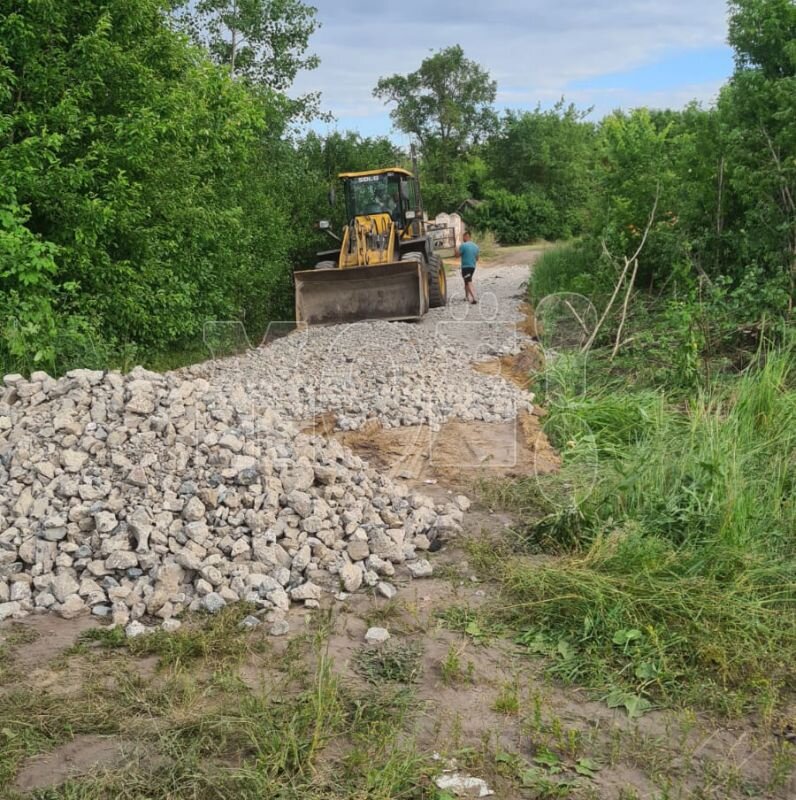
385,266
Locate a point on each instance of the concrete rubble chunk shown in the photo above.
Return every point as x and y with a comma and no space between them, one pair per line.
280,627
306,591
213,602
351,577
63,586
72,607
135,629
9,610
420,569
73,460
386,590
377,635
462,785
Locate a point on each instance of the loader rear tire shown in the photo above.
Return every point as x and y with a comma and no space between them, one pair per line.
326,265
437,283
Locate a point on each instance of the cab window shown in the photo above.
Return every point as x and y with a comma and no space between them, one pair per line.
373,194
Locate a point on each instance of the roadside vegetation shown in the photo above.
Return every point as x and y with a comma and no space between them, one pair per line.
672,525
671,394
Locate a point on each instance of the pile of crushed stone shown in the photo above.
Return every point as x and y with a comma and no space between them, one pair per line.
138,496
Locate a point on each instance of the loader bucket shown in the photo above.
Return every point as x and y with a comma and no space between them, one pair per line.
395,291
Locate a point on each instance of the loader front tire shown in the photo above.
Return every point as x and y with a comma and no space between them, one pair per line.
437,283
326,265
421,259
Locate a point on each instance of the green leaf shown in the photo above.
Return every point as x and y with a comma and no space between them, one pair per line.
615,698
473,630
548,759
636,705
646,670
565,650
587,767
535,642
529,778
625,636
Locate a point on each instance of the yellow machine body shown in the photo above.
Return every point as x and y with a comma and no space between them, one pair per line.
381,270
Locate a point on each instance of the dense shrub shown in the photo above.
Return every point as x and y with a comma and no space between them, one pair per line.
550,153
135,203
515,219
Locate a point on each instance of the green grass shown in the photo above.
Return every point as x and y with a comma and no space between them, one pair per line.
453,669
217,639
397,662
196,732
569,267
475,624
678,575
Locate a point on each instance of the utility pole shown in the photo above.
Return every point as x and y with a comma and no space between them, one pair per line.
413,151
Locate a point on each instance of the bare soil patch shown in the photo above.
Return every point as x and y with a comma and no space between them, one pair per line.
49,637
78,757
515,368
457,455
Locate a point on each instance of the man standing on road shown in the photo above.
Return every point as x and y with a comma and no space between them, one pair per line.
468,251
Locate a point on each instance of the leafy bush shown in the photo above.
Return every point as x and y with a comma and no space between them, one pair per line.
516,219
551,152
573,267
135,192
27,267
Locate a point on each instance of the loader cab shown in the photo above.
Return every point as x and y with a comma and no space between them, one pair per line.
392,192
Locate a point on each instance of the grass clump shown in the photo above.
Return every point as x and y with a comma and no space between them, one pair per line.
218,639
396,662
677,579
477,625
508,700
452,668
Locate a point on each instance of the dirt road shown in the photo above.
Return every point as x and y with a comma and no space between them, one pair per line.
202,712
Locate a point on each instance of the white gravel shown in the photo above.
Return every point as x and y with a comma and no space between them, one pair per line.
398,373
135,497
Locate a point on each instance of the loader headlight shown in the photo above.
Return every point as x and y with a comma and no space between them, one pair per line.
324,224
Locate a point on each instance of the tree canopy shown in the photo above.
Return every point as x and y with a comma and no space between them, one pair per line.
446,104
265,41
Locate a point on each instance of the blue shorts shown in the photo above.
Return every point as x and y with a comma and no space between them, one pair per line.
467,274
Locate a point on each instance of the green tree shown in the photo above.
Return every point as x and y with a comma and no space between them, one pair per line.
142,186
548,154
265,41
759,108
446,104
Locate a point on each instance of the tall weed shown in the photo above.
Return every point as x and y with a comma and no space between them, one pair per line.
684,536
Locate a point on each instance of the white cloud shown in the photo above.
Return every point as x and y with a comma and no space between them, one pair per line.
534,49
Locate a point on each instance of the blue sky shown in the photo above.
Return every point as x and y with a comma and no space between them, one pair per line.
607,54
